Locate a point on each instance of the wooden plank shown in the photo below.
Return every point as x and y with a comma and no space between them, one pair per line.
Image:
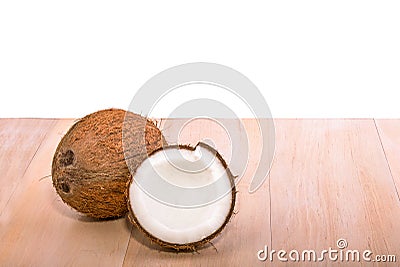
19,141
330,180
389,133
247,232
38,229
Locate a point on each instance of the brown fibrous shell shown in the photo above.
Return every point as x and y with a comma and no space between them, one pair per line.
89,169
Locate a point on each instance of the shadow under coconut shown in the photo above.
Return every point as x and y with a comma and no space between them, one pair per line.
84,218
69,212
140,237
64,209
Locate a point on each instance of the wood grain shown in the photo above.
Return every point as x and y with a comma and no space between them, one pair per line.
330,179
389,133
39,230
19,141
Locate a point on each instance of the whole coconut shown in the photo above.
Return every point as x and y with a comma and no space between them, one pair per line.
89,169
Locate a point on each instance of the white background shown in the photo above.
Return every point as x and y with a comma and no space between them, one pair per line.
309,58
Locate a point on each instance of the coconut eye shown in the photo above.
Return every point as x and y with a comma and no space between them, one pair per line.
65,187
67,158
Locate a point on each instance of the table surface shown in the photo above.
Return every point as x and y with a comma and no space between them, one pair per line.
331,179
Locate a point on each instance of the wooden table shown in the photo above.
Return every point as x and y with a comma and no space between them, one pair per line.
330,179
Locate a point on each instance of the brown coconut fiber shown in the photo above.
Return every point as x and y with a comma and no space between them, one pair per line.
89,170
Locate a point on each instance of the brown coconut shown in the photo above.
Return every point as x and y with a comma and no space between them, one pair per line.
89,169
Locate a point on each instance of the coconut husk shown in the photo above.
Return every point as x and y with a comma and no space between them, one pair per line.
89,170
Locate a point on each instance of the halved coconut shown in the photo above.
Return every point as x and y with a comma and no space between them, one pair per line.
181,197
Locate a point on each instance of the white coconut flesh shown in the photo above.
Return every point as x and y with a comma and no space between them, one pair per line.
181,195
